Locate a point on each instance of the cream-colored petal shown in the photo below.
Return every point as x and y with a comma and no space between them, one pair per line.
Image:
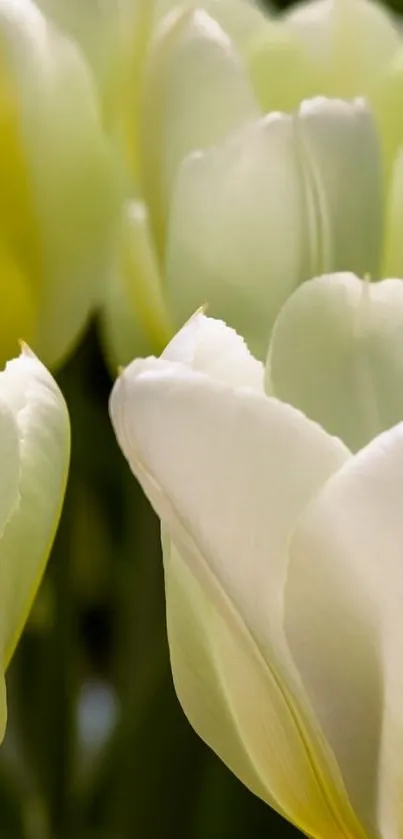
195,93
351,42
343,620
210,346
228,472
342,161
240,19
68,171
238,233
41,417
337,354
10,463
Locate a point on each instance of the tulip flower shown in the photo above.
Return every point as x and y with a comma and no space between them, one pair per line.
280,495
58,198
235,205
35,448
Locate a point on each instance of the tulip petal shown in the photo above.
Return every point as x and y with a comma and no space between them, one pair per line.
228,471
10,463
240,19
393,254
345,630
282,71
337,355
210,346
343,162
196,92
350,42
134,315
42,422
238,236
68,170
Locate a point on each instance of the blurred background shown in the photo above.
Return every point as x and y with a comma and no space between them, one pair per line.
97,745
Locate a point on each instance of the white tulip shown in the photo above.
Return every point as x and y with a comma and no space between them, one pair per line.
283,573
34,453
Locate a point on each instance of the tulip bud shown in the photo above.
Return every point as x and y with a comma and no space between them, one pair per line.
57,198
35,444
336,353
271,207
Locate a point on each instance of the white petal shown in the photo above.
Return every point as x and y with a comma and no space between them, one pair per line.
342,160
196,92
337,354
238,233
228,472
208,345
343,619
60,154
42,421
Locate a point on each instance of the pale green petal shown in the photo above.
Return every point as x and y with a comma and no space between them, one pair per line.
69,171
240,19
94,24
386,97
282,71
195,93
135,318
343,169
215,675
42,421
238,236
273,206
393,251
346,630
351,42
337,354
228,472
208,345
10,463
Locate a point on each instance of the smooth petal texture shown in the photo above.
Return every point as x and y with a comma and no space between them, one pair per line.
351,42
274,206
240,19
252,465
345,631
68,175
195,93
135,317
282,71
237,238
385,97
343,169
337,354
210,346
393,248
42,423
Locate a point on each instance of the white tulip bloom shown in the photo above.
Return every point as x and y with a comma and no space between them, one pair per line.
34,453
283,559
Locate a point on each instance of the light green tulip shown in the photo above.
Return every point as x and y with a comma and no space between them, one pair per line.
240,207
282,547
237,207
58,198
35,451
